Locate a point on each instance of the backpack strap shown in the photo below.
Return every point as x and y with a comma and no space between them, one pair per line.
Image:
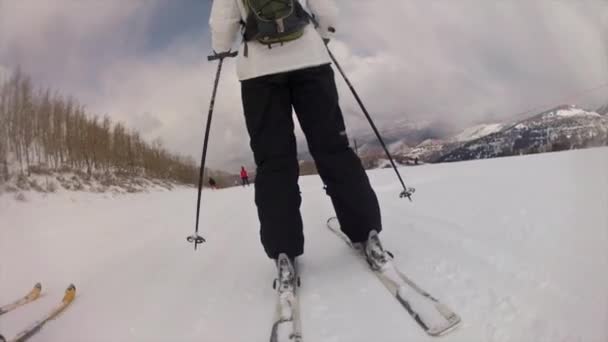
243,32
308,15
244,26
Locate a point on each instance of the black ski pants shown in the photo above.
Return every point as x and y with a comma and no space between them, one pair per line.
268,103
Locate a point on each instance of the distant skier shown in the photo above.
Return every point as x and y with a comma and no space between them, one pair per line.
212,183
282,68
244,176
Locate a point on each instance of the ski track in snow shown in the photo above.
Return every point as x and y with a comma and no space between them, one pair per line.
517,246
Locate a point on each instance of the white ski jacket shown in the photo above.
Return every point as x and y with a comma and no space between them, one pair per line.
306,51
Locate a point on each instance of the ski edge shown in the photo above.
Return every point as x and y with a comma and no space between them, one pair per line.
453,320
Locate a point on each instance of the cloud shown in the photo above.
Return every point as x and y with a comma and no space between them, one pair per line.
97,51
457,61
174,90
68,41
465,60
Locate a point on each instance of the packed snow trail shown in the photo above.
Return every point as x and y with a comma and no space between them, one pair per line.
517,246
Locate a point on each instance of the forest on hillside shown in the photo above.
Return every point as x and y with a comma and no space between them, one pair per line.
42,131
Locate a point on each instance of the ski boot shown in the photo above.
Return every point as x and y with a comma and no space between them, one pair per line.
377,257
287,278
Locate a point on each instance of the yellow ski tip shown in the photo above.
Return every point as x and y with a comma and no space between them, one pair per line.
70,293
35,292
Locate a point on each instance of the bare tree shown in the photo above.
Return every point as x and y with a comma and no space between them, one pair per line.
41,128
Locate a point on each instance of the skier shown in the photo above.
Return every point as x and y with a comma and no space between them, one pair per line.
244,176
288,68
212,183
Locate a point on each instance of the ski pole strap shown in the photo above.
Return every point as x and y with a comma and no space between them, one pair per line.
222,55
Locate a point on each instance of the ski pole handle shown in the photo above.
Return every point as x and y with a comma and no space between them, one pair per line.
222,55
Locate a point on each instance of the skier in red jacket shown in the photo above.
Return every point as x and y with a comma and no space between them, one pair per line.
244,176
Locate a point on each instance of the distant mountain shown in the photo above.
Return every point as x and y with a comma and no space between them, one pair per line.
477,132
400,136
399,148
562,128
432,150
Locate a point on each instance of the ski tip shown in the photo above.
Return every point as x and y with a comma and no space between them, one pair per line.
2,339
34,293
454,323
70,293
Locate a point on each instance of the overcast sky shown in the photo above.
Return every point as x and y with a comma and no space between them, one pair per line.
143,62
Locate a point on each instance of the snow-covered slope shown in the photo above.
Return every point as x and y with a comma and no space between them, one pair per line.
573,112
429,150
517,246
478,131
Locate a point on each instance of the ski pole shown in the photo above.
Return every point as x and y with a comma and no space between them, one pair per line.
407,192
196,238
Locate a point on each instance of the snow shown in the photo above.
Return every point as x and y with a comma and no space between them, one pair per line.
385,163
575,112
430,143
478,131
521,126
517,246
398,147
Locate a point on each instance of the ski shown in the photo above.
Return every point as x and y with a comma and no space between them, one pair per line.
434,317
31,330
287,326
30,297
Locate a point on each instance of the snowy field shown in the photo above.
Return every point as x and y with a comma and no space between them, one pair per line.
517,246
